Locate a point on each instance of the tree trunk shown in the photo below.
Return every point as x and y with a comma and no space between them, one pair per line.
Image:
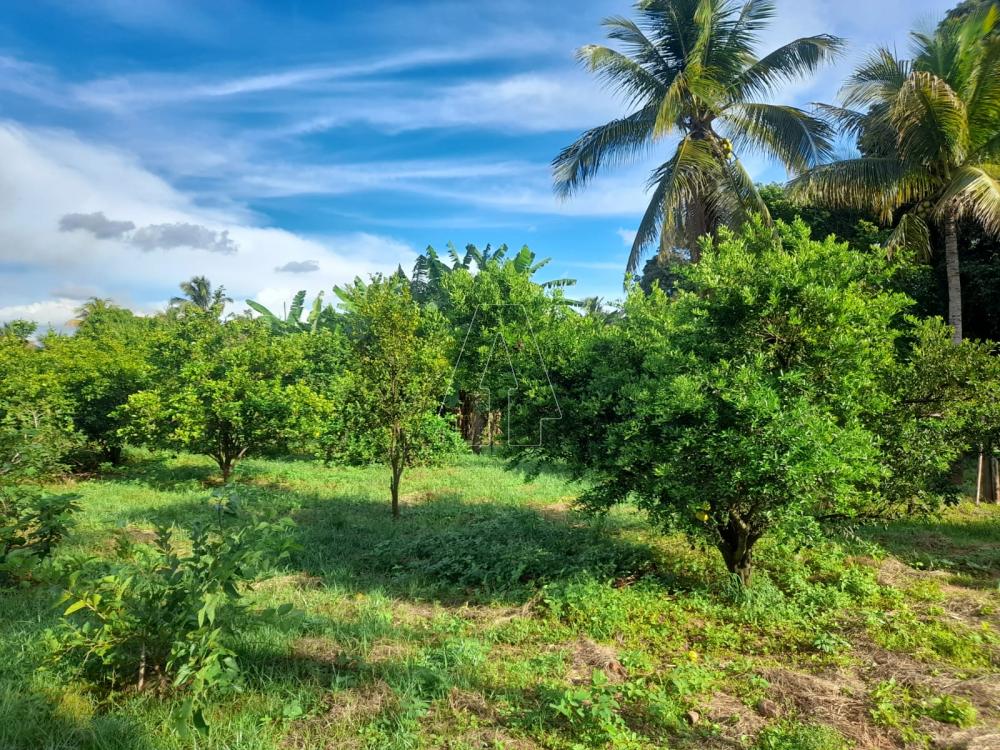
996,481
114,454
227,469
736,545
951,265
471,421
979,477
397,475
987,479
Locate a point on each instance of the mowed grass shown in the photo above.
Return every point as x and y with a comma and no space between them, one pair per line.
493,615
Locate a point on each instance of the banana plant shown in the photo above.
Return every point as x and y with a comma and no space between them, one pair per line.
292,322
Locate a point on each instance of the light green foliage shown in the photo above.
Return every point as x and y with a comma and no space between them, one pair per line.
97,369
158,616
900,707
739,405
398,372
795,736
36,428
223,390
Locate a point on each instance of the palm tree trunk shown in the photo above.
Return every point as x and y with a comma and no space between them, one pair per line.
954,279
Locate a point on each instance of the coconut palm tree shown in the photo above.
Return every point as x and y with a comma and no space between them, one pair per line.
689,69
199,293
929,131
94,306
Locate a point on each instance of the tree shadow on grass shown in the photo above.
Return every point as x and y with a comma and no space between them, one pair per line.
161,471
32,721
442,547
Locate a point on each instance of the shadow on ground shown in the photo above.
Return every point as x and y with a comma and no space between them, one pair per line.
443,546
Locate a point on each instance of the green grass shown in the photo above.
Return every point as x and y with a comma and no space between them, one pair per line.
491,615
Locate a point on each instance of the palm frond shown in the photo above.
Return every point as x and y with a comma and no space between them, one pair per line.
973,193
849,121
638,46
606,145
752,19
983,102
881,184
878,79
930,119
675,184
622,73
794,60
736,196
912,235
789,134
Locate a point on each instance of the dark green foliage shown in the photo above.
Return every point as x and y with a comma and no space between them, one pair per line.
740,404
224,390
858,228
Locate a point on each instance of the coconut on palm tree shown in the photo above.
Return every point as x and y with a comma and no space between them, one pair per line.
929,131
689,70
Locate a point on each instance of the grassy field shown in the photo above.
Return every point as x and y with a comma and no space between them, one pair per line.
494,616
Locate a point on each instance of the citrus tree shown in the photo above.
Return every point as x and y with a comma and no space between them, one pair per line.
744,402
398,372
222,390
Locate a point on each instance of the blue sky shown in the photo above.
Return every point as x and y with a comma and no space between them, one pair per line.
275,146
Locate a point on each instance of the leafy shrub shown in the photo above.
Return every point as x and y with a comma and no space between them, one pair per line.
901,707
794,736
593,712
31,524
156,616
950,709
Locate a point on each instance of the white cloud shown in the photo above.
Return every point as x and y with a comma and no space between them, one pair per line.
46,175
627,235
52,313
